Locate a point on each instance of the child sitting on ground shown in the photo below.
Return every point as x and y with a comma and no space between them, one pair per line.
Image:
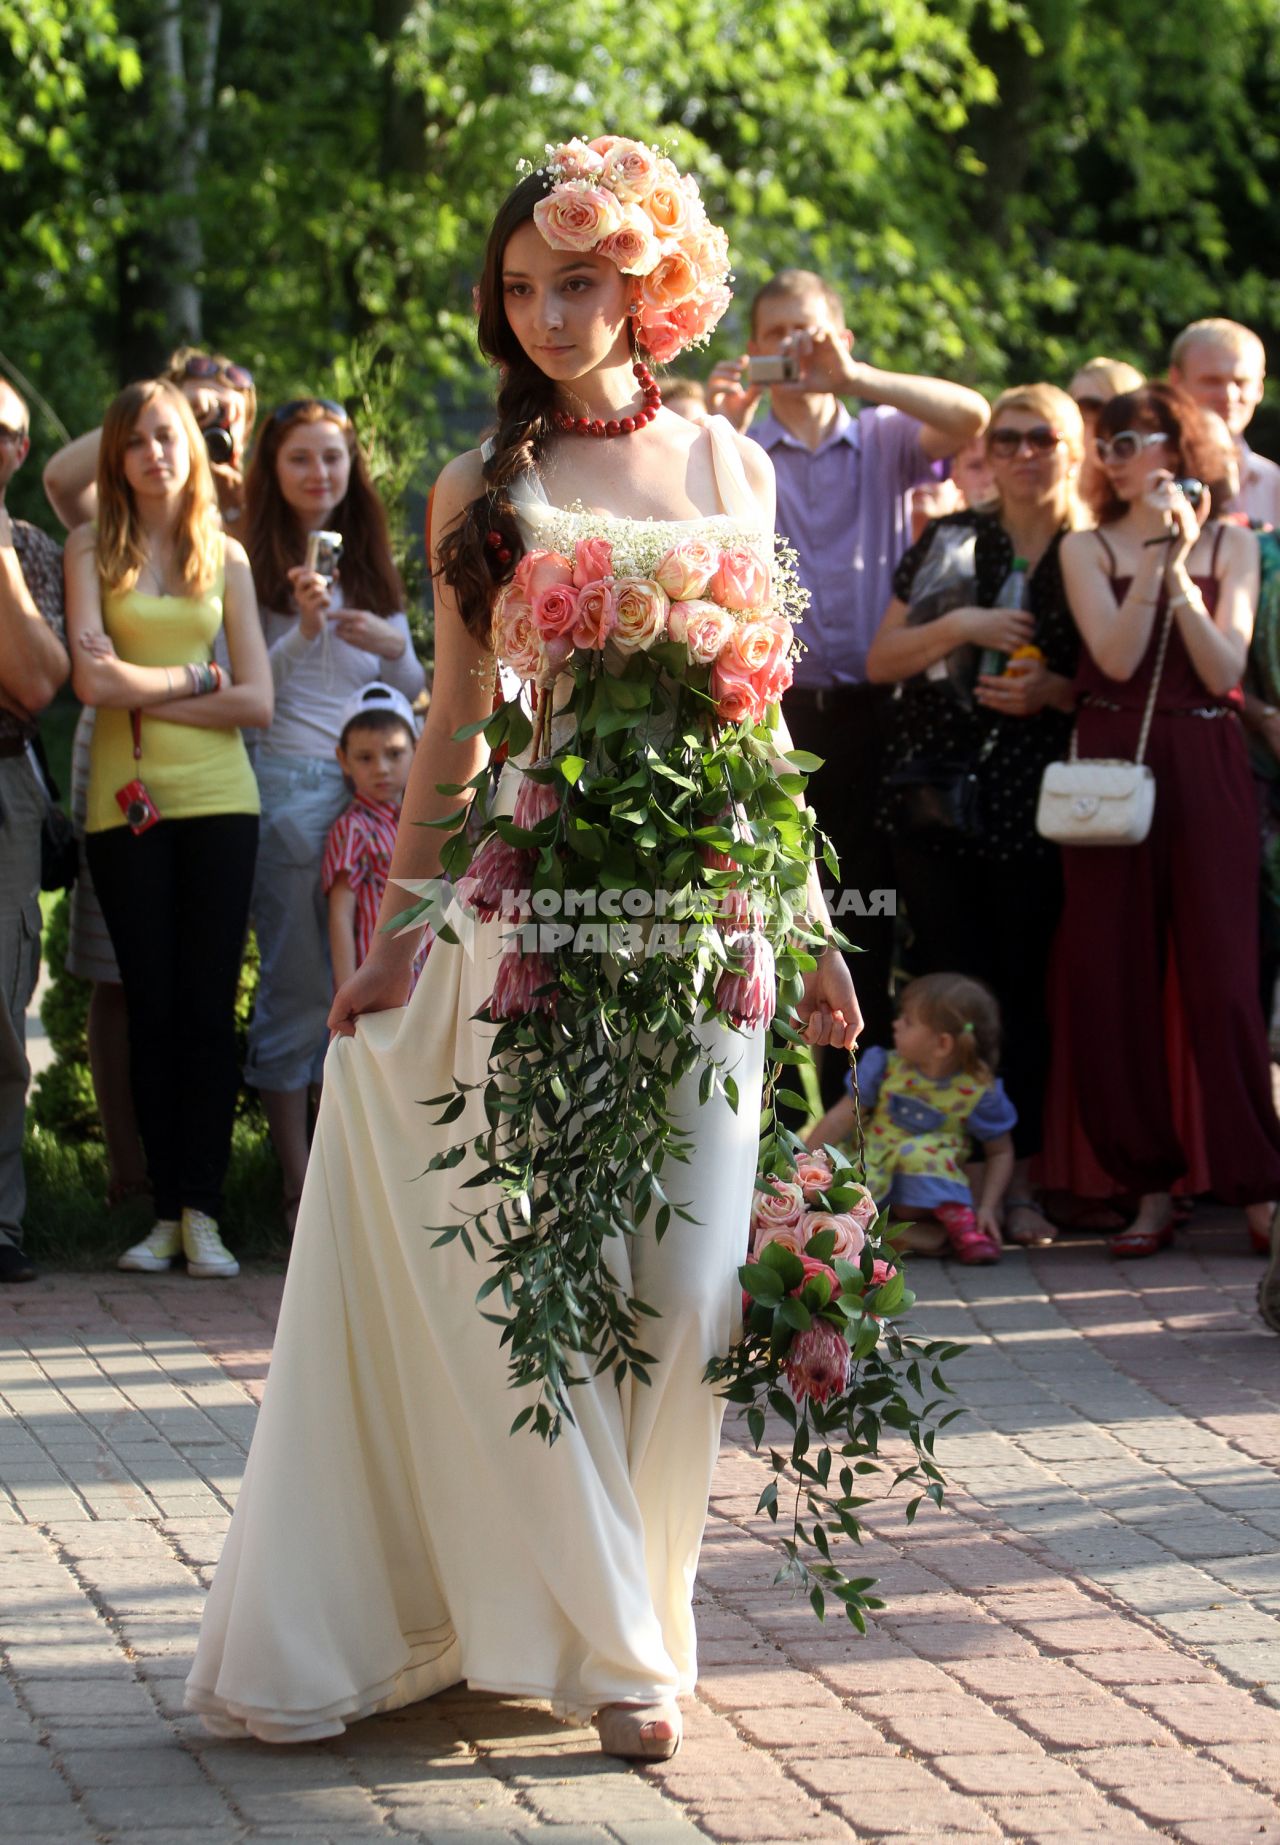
925,1100
375,750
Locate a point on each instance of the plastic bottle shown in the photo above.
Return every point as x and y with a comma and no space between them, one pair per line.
1013,595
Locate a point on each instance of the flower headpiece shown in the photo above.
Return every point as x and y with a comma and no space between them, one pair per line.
621,199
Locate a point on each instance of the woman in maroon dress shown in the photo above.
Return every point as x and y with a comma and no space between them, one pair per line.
1190,889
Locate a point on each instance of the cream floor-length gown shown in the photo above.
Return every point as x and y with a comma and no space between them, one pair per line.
391,1536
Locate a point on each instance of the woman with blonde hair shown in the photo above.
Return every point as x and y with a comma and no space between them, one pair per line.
982,890
172,820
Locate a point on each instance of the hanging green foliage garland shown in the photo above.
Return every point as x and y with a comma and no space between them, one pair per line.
654,874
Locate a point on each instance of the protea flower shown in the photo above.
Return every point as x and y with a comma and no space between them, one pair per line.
495,878
535,802
515,988
747,991
817,1365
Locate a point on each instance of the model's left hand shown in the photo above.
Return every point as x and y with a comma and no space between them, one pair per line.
1025,687
369,632
829,1009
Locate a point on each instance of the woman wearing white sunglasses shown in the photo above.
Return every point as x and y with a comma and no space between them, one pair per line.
1189,890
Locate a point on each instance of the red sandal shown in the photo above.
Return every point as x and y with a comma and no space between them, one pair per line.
1134,1242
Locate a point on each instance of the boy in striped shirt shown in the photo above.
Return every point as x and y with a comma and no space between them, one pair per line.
374,750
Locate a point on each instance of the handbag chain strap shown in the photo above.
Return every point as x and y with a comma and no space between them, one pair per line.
1073,754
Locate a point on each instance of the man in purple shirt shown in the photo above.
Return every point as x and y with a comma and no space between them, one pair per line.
844,484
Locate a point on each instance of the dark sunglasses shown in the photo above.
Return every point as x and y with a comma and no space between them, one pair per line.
200,365
296,404
1009,442
12,435
1128,443
1090,406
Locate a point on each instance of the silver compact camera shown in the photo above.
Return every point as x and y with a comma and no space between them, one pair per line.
771,368
324,553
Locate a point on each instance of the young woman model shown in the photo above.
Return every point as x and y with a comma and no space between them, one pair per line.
326,638
220,393
172,807
1190,890
560,1571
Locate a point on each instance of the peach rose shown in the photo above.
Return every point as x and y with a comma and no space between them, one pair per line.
668,206
575,160
696,318
539,570
515,635
736,696
597,615
779,1207
863,1210
704,629
742,581
633,246
630,170
577,215
849,1233
673,279
592,561
604,144
642,614
555,611
814,1173
687,569
660,337
791,1236
813,1267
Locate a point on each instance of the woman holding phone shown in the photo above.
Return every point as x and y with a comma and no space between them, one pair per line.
332,610
1161,591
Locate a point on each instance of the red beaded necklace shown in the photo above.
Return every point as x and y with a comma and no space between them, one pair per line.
615,426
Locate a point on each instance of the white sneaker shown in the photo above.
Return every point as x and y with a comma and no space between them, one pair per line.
207,1255
156,1251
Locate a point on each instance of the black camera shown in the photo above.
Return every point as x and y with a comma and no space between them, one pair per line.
218,440
1192,491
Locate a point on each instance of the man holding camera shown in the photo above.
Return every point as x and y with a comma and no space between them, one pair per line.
844,486
33,664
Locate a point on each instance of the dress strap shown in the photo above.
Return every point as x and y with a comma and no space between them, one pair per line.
736,497
1111,556
1213,555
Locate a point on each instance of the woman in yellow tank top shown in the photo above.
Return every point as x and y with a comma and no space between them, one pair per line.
172,823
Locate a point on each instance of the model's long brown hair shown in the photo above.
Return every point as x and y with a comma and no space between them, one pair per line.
121,547
1164,407
465,557
277,541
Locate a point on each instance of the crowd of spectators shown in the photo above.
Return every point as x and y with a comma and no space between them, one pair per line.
992,587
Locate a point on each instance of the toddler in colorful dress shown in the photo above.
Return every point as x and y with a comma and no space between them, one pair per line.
375,751
926,1100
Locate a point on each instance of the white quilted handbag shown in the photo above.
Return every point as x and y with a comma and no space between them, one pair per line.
1097,801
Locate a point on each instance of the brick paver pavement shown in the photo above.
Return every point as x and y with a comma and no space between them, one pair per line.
1084,1645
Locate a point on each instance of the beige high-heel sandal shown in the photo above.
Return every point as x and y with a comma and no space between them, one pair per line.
621,1728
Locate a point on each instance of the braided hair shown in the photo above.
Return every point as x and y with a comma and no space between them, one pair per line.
469,561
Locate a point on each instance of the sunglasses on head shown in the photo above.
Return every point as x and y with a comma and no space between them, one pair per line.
326,404
1009,442
200,365
1128,443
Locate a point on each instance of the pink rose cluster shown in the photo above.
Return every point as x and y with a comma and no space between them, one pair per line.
788,1212
714,602
623,200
